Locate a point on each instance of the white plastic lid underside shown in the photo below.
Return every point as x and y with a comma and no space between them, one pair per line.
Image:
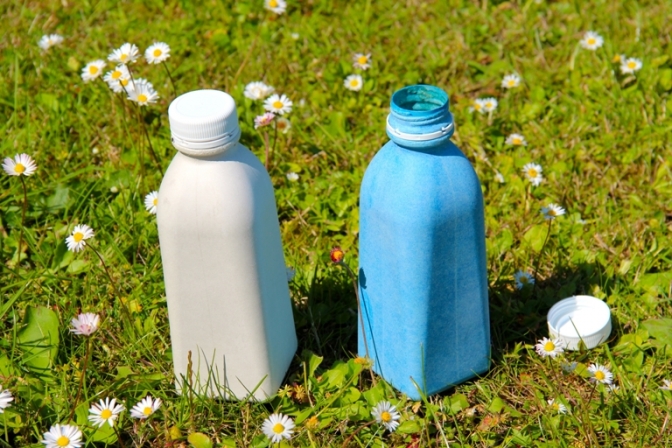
580,318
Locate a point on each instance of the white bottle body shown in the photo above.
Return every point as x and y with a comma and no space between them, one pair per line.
225,275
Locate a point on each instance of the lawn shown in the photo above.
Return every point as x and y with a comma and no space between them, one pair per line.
591,115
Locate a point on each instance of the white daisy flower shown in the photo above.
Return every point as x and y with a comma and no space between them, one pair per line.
295,36
263,120
277,6
157,52
477,106
143,93
353,82
557,406
283,125
511,81
92,70
515,140
631,65
114,189
548,347
77,240
533,173
278,104
105,411
49,40
591,41
63,436
5,399
146,407
152,201
499,177
361,60
667,385
22,164
613,388
85,324
125,54
277,427
600,374
522,279
618,58
387,415
118,79
489,104
257,90
293,177
552,211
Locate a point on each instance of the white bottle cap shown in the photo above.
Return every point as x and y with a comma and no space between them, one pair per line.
203,122
580,318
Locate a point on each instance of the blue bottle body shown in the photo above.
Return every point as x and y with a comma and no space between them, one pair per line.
423,281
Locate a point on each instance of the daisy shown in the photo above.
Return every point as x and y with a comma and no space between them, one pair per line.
667,385
49,40
515,140
387,415
499,177
63,436
263,120
630,65
85,324
257,90
92,70
292,176
591,41
533,173
477,106
353,82
489,104
511,81
22,164
361,60
157,53
146,407
600,374
618,58
557,406
283,125
548,347
5,399
143,93
277,6
278,427
125,54
337,255
278,104
118,78
152,201
552,211
522,279
77,240
105,411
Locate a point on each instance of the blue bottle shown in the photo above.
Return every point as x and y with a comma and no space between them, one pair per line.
422,267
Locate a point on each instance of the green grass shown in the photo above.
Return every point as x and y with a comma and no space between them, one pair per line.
602,139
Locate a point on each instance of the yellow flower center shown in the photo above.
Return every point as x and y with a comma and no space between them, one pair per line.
591,41
512,82
157,53
600,375
360,360
155,202
477,106
142,98
147,411
63,441
123,57
273,4
555,406
362,60
19,168
488,105
124,82
532,172
278,428
93,69
79,236
549,347
632,65
312,422
116,74
354,83
617,58
552,212
278,104
281,124
385,416
106,414
516,141
523,279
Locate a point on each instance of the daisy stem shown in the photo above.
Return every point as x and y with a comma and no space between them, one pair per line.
275,139
172,81
266,145
127,313
82,376
541,252
359,308
23,218
149,141
121,442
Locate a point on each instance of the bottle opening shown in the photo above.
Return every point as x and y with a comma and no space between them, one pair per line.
419,98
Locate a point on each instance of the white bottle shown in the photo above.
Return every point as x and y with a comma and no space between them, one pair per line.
224,269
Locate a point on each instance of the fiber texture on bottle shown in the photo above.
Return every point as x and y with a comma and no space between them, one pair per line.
422,272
